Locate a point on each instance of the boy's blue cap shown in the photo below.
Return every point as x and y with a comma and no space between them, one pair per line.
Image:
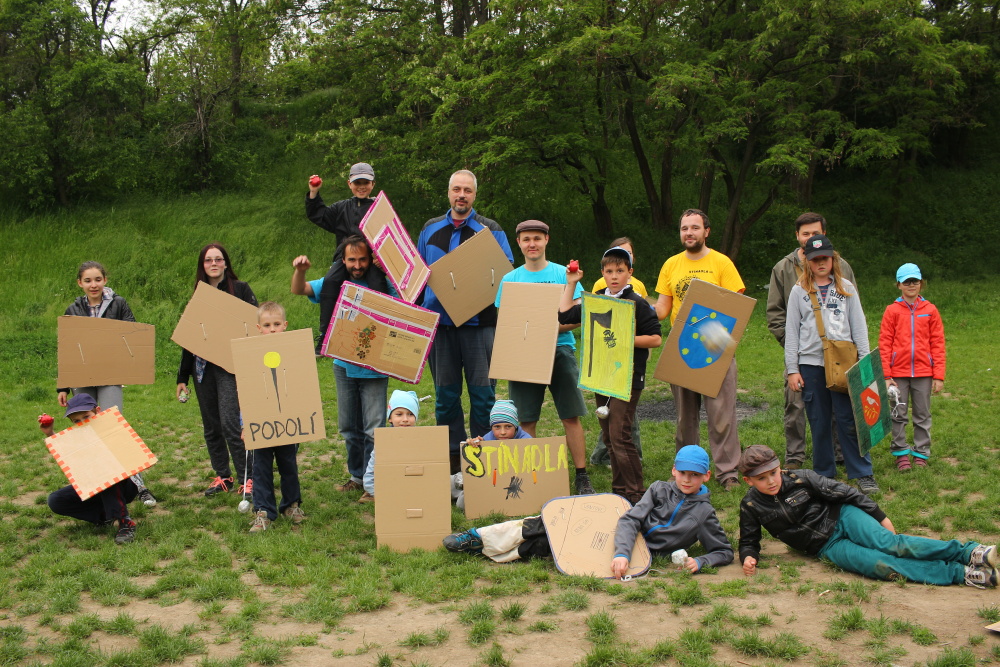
80,403
692,458
404,399
621,253
503,412
907,271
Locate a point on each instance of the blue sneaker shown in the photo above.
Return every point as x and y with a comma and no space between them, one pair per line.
469,541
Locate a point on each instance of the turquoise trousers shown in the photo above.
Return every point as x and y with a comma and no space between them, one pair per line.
861,544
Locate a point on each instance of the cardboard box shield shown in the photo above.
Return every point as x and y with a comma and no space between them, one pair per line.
513,477
380,332
99,452
466,280
685,360
581,532
870,400
607,347
279,389
394,248
210,321
524,347
412,487
95,351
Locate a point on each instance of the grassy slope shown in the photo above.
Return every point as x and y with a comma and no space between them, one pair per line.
150,249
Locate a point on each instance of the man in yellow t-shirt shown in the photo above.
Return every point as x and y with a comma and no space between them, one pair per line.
701,262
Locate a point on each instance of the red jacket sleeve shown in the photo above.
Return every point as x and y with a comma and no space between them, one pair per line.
886,335
937,345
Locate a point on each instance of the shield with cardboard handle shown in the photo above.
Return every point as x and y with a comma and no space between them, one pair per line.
869,400
581,532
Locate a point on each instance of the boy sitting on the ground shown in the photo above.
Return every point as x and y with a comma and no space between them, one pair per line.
503,426
671,515
833,520
105,507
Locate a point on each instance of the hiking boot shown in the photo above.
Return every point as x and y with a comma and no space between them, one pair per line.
350,485
469,542
219,485
793,465
295,513
147,498
366,498
583,485
980,577
985,555
245,489
126,531
919,462
867,485
903,463
260,522
730,484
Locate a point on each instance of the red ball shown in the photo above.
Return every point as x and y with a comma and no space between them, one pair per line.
45,420
573,267
315,181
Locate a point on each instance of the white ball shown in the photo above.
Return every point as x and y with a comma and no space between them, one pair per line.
714,336
678,557
244,506
603,412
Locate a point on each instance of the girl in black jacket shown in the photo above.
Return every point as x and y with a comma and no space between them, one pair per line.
99,300
215,387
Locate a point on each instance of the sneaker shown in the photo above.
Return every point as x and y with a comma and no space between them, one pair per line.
260,522
126,531
730,483
350,485
583,485
903,463
245,489
219,485
295,513
980,577
867,485
984,555
147,498
366,498
469,541
919,462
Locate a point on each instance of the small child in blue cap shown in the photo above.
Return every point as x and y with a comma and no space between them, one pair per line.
671,515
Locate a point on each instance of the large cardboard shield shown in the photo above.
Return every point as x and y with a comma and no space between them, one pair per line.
513,477
95,351
394,248
279,389
210,321
466,280
524,347
608,345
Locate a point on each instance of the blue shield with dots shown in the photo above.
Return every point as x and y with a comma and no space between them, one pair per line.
691,345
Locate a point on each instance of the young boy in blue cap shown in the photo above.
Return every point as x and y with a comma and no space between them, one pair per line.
671,515
403,411
104,508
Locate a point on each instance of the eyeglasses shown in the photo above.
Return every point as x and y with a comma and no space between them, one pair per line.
215,260
911,281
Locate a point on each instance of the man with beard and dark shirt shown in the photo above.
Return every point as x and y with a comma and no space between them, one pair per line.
467,348
341,218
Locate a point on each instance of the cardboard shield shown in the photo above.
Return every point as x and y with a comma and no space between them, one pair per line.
380,332
524,347
210,321
581,532
869,400
279,389
513,477
607,350
99,452
466,280
687,360
412,487
394,248
95,351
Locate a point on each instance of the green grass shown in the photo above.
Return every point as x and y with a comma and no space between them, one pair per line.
61,578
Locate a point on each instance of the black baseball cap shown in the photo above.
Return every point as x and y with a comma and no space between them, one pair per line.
818,246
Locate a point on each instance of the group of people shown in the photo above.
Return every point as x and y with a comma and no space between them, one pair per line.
812,299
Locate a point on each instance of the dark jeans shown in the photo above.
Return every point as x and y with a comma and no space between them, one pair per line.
263,478
822,405
108,505
220,417
361,408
